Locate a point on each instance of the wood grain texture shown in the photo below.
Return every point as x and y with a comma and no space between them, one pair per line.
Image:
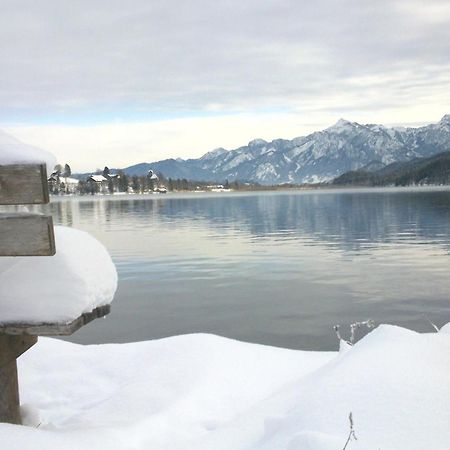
9,394
26,235
23,184
54,329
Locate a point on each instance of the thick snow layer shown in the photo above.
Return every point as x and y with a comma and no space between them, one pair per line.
203,392
13,151
80,277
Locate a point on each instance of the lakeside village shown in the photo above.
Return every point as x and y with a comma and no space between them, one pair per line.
62,182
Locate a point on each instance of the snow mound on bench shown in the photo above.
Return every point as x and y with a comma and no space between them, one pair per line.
79,278
203,392
13,151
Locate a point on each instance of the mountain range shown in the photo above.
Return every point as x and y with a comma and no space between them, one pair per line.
318,157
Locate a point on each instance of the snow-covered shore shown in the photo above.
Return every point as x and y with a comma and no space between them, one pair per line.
208,392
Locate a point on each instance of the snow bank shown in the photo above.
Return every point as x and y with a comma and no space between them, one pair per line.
80,277
13,151
202,392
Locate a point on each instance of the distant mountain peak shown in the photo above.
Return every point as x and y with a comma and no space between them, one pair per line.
342,125
445,120
256,142
214,153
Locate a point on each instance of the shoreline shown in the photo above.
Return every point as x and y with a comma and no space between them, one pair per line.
239,192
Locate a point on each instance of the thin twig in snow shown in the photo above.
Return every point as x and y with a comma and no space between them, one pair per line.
370,323
351,434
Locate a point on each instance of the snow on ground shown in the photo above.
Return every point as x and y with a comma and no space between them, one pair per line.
203,392
80,277
13,151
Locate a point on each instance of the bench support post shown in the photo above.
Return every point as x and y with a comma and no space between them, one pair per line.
9,394
11,347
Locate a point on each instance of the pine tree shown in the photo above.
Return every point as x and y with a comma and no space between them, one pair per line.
135,184
123,182
66,174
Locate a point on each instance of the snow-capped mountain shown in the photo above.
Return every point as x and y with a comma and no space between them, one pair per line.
320,156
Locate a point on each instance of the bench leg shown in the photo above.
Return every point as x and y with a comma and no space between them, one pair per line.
9,394
11,347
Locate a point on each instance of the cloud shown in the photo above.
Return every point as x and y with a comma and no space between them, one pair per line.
169,55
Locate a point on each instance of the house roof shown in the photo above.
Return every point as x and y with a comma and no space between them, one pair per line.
97,178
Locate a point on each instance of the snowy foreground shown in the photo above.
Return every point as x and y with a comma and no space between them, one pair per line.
207,392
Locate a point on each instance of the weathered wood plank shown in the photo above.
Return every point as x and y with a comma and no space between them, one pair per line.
54,329
26,235
23,184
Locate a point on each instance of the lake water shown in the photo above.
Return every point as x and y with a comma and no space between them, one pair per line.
278,268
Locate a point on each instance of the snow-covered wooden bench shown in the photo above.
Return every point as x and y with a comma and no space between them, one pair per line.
27,234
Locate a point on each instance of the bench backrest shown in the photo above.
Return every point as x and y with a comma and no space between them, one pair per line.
23,233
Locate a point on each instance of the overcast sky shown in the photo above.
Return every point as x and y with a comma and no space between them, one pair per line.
109,82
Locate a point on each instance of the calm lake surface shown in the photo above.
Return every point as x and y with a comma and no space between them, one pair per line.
278,268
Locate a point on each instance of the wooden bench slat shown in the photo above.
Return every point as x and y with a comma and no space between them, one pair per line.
24,234
54,329
23,184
